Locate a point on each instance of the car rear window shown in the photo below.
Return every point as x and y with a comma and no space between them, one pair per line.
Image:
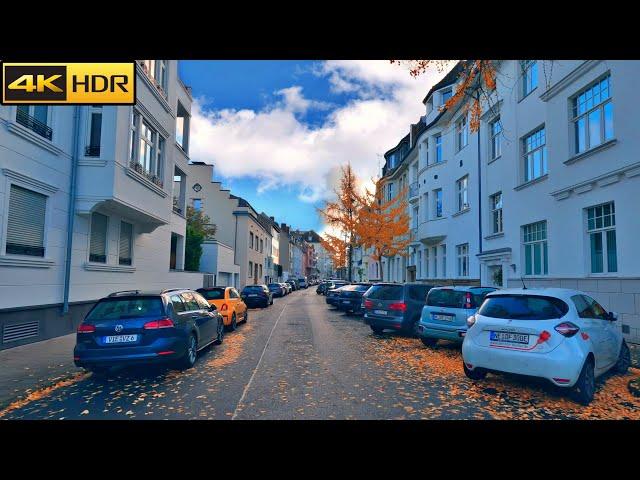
418,292
121,308
447,298
523,307
362,288
212,294
275,285
386,292
253,289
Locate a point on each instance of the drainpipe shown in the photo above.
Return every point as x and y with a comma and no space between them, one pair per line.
479,187
71,214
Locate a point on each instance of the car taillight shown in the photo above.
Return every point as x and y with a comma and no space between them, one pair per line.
162,323
368,304
84,328
401,306
467,301
224,307
567,329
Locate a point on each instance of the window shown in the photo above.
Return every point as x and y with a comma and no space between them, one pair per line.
197,203
435,262
437,197
156,70
126,242
94,129
496,212
250,269
425,149
496,133
36,118
26,222
260,276
425,206
178,304
587,307
462,187
444,261
419,264
135,121
250,240
426,262
446,95
147,147
182,128
390,191
98,239
463,259
529,69
438,141
462,132
523,307
535,155
593,115
416,216
601,228
261,246
535,248
190,302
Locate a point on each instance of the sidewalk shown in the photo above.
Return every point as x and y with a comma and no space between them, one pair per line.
36,365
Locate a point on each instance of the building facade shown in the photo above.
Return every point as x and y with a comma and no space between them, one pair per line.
89,205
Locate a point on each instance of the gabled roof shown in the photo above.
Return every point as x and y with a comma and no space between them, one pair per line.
241,201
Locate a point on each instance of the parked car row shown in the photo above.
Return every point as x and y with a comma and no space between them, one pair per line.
563,336
168,326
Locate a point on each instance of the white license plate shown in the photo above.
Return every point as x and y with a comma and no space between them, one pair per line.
121,339
443,318
507,338
380,312
253,294
346,301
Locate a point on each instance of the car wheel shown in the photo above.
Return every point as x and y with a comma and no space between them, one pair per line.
271,302
377,330
246,316
220,333
189,359
585,387
234,323
476,374
429,342
624,359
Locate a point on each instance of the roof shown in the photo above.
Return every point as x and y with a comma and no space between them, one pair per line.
562,293
241,201
461,288
448,79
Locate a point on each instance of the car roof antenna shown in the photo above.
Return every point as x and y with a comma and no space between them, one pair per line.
524,287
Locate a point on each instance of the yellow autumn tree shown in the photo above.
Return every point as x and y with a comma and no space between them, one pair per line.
384,226
343,212
336,248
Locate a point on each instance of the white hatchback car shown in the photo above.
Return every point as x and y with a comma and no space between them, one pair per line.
561,335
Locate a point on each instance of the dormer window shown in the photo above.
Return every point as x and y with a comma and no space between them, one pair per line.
446,95
429,105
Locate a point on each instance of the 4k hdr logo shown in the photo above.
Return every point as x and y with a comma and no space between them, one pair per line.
68,83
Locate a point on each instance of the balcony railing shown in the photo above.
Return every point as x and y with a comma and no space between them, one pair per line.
413,190
92,151
144,172
26,120
176,206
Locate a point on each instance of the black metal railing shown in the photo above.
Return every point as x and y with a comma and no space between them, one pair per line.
176,206
92,151
26,120
144,172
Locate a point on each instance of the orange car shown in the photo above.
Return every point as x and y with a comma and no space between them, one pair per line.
228,302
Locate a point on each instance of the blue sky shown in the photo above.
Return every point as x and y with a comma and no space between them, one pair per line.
278,131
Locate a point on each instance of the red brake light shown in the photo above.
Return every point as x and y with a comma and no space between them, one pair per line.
224,307
368,304
84,328
401,306
467,302
567,329
155,324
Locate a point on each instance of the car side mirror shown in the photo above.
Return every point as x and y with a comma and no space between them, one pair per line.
212,308
612,316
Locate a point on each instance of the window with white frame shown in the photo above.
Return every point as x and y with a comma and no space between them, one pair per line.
416,216
446,95
98,238
425,206
419,265
250,269
251,240
434,251
593,115
444,261
26,222
156,70
535,155
601,229
438,143
496,212
534,240
462,187
495,128
529,78
426,262
462,132
437,203
425,150
36,118
147,147
94,130
126,243
390,191
462,252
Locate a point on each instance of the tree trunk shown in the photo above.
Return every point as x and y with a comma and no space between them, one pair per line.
381,271
349,277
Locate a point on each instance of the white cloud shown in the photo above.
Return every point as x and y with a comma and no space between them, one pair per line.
278,148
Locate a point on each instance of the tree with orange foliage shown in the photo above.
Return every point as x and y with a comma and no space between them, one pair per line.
342,213
384,226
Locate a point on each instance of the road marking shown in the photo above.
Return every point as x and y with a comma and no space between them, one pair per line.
246,388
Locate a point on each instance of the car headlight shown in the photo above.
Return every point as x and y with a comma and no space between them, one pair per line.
471,321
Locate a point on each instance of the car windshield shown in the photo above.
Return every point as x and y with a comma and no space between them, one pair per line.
121,308
212,294
386,292
523,307
362,288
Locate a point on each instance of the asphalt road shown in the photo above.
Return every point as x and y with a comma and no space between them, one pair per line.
300,359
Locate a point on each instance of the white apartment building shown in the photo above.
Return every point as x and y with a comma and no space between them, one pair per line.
273,269
87,204
553,202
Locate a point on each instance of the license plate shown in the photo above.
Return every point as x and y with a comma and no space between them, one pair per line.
253,294
443,318
121,339
346,301
508,338
380,312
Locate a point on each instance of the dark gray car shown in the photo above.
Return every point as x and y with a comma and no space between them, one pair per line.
395,306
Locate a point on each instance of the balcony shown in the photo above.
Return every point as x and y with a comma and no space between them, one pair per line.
433,231
26,120
137,167
414,192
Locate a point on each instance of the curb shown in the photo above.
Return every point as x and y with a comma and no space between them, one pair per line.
634,387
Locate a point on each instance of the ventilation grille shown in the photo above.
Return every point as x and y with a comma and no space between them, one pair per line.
20,331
